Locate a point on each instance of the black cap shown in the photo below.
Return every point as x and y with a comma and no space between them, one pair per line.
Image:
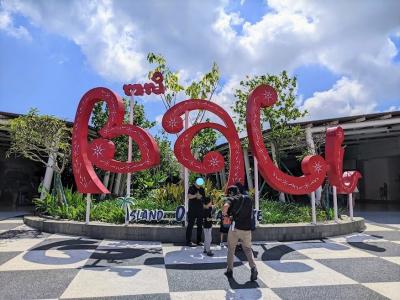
232,190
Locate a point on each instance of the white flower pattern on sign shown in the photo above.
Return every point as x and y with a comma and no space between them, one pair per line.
268,95
317,167
213,162
98,151
173,123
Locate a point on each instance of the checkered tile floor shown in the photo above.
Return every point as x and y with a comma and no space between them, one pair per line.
46,266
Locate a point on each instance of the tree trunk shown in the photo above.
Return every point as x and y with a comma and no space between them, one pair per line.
48,177
106,179
117,184
112,181
122,188
311,149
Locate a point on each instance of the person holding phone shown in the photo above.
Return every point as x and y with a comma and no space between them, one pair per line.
239,209
196,195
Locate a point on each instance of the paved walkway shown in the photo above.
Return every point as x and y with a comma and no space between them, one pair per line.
39,265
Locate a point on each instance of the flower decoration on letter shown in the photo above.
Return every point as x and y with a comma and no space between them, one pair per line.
345,182
314,167
100,151
212,161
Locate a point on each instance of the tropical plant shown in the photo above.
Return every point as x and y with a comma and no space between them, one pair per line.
168,196
216,195
125,203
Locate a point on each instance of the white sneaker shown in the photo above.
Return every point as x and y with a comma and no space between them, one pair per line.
222,245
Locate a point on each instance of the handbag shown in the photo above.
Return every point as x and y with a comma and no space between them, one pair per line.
226,222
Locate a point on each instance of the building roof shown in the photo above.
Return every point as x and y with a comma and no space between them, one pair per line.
4,135
357,128
8,115
351,119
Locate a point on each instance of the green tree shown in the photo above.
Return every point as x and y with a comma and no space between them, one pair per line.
201,89
154,178
38,137
282,135
44,139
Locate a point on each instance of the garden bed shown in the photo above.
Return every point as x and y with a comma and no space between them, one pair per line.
111,211
176,234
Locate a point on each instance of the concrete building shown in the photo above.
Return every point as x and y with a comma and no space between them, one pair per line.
372,146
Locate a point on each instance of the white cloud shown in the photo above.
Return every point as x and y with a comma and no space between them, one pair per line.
349,38
159,119
224,22
225,96
7,25
347,97
109,44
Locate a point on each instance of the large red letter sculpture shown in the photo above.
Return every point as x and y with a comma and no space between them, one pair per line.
100,151
213,161
345,182
314,167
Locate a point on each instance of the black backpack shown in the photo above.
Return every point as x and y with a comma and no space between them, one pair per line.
235,213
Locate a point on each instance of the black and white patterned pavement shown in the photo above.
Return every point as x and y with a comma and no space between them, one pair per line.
35,265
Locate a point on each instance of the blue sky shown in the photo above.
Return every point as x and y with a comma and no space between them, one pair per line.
50,73
47,60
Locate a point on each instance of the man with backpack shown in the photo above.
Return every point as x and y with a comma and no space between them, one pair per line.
239,209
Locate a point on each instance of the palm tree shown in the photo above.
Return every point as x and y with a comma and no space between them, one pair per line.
125,203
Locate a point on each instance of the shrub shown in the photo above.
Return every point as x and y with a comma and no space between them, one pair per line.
167,198
278,212
216,195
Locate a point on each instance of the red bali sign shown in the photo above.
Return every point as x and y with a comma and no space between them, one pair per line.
213,161
345,182
100,151
314,167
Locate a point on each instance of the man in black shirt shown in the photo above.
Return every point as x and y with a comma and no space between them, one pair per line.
196,195
240,208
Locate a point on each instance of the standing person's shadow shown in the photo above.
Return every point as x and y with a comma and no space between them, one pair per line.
241,292
276,253
247,285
